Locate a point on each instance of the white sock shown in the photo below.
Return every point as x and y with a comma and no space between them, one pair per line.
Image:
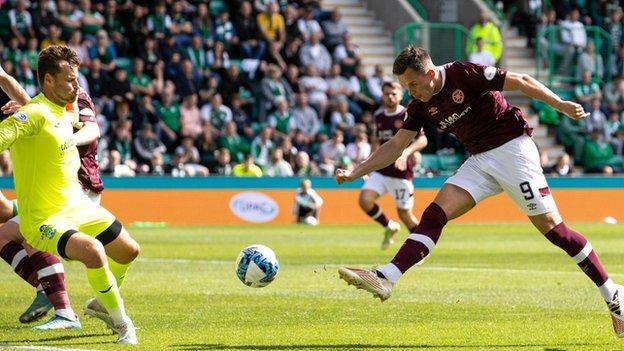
391,272
118,315
67,313
607,290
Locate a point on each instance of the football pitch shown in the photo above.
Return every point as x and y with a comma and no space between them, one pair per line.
485,287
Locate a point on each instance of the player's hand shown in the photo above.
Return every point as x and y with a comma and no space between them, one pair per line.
343,176
10,107
573,110
401,163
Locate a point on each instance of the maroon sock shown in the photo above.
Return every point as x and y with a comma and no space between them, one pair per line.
579,248
15,255
423,238
52,278
377,214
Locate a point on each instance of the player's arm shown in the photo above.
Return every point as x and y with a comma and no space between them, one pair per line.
21,123
12,88
88,133
532,88
418,144
387,153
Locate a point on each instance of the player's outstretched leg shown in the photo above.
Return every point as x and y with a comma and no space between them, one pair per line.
581,251
418,245
91,253
368,205
121,251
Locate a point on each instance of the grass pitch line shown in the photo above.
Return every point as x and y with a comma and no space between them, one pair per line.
36,347
426,268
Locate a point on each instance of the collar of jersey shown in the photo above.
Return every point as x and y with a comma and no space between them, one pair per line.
442,71
57,109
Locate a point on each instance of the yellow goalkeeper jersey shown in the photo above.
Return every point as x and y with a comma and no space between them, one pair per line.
45,159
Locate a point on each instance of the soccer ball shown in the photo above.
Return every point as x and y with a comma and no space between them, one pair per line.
256,266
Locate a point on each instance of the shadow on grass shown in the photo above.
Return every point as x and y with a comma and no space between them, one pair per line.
189,347
65,337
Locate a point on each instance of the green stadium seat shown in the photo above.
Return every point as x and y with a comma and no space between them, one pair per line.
124,62
450,163
430,161
217,6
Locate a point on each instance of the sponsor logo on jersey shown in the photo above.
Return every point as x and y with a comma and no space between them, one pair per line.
532,206
47,231
433,111
254,207
20,116
453,118
68,144
489,72
544,191
458,96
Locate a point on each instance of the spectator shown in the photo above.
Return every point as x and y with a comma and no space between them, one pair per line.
216,113
121,161
66,14
289,151
362,89
280,119
563,167
278,167
481,56
168,110
90,21
613,125
218,58
273,88
145,112
614,94
232,141
261,147
42,17
304,118
241,118
197,54
189,81
618,142
247,169
303,167
207,147
202,24
103,50
209,88
32,53
347,55
13,53
190,118
248,33
308,25
27,78
314,53
272,26
53,37
291,17
292,78
307,204
333,149
119,86
342,120
573,39
187,161
140,83
290,52
233,83
159,21
224,31
149,150
586,90
98,80
150,56
375,83
360,149
334,30
490,34
590,61
316,88
223,166
114,26
597,119
181,27
598,156
21,22
76,44
339,88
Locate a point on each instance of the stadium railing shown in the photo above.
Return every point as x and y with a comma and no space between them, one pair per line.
550,51
419,8
445,41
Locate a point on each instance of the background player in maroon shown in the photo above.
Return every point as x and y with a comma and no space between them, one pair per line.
396,178
467,102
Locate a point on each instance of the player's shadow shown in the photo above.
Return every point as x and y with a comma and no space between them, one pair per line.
199,347
65,337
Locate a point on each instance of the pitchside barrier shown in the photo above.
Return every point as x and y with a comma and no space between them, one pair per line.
224,200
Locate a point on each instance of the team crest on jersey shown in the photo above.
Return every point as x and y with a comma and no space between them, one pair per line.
489,72
21,116
458,96
47,230
433,111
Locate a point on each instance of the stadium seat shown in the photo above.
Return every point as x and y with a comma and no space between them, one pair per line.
431,161
450,163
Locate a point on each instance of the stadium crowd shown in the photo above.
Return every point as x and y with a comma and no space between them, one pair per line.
196,88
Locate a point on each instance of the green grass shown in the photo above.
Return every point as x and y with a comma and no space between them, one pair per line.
486,287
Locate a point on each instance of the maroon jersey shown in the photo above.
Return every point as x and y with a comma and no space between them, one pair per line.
386,126
89,173
471,106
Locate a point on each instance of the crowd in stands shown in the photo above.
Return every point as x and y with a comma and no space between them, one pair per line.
243,88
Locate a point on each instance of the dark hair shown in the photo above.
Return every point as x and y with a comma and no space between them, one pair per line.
50,60
412,57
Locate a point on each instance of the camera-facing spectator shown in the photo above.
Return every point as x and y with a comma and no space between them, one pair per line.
307,204
247,169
